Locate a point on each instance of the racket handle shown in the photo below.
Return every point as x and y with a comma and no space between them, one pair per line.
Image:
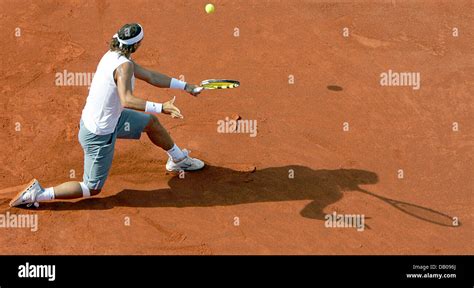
198,89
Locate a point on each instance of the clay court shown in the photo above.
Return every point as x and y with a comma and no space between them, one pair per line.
330,137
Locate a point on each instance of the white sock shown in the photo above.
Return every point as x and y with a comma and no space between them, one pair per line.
46,195
176,154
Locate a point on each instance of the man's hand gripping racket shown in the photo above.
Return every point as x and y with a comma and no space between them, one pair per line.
170,108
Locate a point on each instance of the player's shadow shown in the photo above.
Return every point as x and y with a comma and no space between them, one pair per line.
218,186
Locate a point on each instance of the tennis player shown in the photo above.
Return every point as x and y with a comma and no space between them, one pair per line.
113,111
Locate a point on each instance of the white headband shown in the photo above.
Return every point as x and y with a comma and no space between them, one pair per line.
130,41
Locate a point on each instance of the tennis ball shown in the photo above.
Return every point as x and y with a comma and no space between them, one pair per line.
210,8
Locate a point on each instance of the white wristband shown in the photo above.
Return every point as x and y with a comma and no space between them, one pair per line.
153,107
176,84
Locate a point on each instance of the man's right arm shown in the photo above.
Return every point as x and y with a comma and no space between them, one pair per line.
123,76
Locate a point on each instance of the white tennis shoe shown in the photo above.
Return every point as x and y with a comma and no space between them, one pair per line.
187,164
28,195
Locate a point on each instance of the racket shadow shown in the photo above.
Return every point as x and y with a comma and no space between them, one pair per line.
417,211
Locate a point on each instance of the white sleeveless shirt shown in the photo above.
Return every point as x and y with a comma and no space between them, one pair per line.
103,107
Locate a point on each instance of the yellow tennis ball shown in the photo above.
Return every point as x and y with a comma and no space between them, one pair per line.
210,8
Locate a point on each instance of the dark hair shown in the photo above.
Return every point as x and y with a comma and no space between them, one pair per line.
126,32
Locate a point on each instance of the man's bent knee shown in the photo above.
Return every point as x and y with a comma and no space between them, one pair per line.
95,191
152,123
87,191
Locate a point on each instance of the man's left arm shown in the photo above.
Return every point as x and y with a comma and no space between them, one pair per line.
162,81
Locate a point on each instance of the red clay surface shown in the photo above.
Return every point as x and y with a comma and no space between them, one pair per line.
299,128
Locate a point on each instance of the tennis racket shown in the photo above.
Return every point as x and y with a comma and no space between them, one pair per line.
216,84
